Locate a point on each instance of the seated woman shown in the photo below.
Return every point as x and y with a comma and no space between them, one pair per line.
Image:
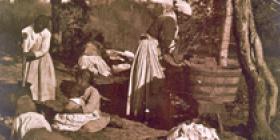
82,112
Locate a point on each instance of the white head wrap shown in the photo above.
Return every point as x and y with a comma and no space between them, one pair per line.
164,2
181,5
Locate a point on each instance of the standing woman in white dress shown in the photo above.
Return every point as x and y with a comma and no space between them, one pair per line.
38,70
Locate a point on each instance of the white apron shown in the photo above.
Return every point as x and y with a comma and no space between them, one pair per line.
145,67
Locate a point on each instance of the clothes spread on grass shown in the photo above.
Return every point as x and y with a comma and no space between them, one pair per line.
192,132
73,121
28,121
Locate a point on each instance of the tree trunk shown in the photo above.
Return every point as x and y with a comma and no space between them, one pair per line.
258,77
223,56
262,66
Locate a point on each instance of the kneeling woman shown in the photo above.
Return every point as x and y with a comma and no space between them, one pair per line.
83,109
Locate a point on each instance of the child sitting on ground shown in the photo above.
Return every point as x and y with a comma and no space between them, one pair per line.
82,112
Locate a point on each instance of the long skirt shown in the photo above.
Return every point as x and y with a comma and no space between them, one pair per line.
41,75
145,76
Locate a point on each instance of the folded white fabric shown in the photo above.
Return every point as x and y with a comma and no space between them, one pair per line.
192,132
120,67
78,101
128,54
73,121
117,55
28,121
94,64
29,41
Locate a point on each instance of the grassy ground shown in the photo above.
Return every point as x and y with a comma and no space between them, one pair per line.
10,71
14,17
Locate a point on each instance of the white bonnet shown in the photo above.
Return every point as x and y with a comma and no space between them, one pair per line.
181,5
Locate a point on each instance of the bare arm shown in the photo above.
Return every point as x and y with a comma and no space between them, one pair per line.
166,37
170,60
72,107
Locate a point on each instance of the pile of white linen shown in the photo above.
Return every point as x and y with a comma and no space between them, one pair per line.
192,132
73,121
125,57
28,121
95,64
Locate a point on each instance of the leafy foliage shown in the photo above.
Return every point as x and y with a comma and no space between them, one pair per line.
197,36
267,18
14,17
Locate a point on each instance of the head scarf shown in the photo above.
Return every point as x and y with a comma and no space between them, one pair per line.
181,5
164,2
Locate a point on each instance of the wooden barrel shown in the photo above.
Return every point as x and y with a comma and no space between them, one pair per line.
213,84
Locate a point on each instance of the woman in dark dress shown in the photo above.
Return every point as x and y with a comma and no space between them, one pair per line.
145,95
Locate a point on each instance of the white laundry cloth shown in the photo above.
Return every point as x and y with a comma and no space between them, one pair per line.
192,132
73,121
27,121
95,64
118,55
120,67
78,101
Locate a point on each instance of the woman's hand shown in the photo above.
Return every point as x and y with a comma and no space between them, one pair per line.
29,56
182,64
170,60
187,63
